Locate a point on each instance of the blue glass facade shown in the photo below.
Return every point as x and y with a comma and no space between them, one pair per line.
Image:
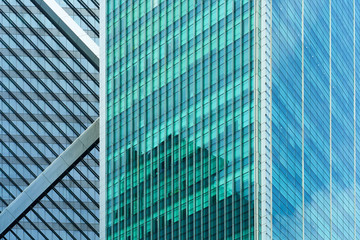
316,114
48,97
286,119
357,111
314,91
342,115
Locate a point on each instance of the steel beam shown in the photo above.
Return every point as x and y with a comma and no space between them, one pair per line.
71,30
49,178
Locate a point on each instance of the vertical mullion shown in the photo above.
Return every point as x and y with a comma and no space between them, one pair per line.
241,140
150,123
186,131
132,122
147,138
158,116
256,119
209,130
166,139
224,213
250,160
233,124
126,125
193,151
249,126
119,131
216,130
330,117
173,128
113,139
201,110
175,156
140,150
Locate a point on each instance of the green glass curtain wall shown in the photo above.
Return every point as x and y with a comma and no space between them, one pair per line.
180,119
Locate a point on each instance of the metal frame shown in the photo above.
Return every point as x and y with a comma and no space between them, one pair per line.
71,30
11,215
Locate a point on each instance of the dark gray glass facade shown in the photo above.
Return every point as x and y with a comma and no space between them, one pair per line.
48,97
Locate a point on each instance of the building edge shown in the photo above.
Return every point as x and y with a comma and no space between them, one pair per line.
103,113
265,119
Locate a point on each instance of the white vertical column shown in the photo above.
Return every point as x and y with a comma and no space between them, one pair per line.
103,114
265,120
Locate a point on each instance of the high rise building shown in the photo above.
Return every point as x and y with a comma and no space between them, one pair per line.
230,119
48,97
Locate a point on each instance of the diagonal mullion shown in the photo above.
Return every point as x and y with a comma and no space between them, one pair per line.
57,41
48,178
48,90
31,28
42,112
14,184
88,9
49,162
54,38
61,182
39,122
32,33
44,70
35,212
82,17
70,29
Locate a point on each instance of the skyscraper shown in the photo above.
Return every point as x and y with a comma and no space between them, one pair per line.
230,119
48,97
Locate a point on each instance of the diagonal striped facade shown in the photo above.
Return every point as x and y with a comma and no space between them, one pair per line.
48,97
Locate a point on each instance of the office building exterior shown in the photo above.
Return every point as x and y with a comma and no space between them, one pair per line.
48,97
230,119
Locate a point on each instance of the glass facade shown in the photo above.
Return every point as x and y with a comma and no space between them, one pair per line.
286,120
48,97
224,125
314,119
85,13
316,122
180,119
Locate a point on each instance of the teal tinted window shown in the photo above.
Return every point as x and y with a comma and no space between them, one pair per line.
180,119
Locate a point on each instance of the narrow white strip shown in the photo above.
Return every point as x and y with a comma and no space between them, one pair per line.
103,116
265,147
256,121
